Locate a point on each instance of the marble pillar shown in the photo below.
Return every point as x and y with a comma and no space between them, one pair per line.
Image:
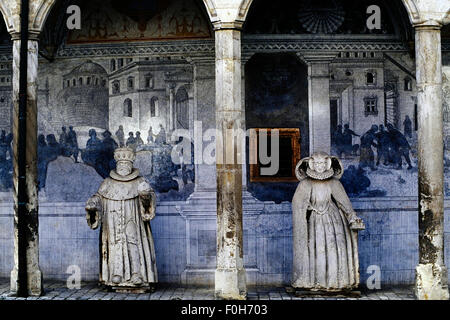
431,273
230,278
30,239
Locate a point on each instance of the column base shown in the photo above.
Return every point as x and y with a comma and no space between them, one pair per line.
230,284
431,282
34,283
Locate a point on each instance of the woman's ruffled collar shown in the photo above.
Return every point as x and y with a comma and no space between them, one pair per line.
320,176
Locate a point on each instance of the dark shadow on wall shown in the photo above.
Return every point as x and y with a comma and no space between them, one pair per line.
276,94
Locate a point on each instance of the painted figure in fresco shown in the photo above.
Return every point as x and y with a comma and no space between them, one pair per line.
325,228
384,146
63,138
107,156
42,161
336,141
131,141
401,147
139,141
367,157
47,151
123,207
161,137
53,147
355,181
5,164
407,127
5,144
347,140
150,136
72,143
93,153
120,136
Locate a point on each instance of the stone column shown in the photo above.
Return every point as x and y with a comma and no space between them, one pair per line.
319,100
26,247
230,279
431,273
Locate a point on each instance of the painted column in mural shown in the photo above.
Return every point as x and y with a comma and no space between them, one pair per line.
431,273
230,279
319,100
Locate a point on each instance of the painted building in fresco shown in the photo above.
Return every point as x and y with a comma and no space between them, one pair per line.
136,73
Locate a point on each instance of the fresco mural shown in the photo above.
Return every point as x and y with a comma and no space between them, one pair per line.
77,132
320,17
375,116
133,20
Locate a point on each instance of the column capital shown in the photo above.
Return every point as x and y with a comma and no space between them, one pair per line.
32,35
428,25
233,25
317,57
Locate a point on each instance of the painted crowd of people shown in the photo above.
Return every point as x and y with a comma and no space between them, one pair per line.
391,145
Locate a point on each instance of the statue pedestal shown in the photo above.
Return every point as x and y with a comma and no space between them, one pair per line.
304,293
144,289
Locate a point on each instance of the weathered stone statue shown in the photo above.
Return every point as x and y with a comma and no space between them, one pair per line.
123,206
325,228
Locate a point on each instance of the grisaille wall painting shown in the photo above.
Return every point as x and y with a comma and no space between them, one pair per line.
138,70
89,106
116,20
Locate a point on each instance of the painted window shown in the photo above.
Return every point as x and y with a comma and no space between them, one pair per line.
371,78
128,108
371,106
149,81
182,107
116,87
130,83
154,112
408,84
113,65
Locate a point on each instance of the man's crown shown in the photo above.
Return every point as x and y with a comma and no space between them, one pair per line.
124,154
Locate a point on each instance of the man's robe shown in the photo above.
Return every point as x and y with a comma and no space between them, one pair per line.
125,206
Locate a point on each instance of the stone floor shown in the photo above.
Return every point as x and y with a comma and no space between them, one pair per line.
57,290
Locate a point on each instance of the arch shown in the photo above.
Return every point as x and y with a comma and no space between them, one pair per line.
244,8
12,21
211,9
413,11
39,11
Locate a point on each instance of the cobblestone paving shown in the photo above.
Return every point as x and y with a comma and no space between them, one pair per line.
57,290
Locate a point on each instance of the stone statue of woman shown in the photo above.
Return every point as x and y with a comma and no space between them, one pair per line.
325,228
123,206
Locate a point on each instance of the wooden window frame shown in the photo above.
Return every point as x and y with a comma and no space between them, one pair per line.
294,134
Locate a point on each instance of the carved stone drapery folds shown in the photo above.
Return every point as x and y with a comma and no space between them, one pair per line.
325,228
123,207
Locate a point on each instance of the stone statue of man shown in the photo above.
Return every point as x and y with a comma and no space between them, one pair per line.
123,206
325,228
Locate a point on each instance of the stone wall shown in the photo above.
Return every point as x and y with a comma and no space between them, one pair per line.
185,240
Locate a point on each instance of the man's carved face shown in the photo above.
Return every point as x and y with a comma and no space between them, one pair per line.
124,168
